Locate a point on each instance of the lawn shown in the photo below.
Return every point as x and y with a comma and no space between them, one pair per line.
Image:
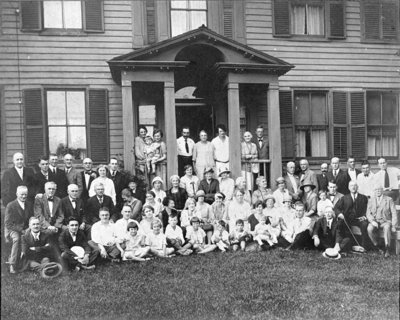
263,285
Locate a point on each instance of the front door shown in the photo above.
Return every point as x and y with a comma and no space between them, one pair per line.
195,116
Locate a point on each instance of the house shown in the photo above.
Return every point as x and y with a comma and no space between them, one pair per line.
323,77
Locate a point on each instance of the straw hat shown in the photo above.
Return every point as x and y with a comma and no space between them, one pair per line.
331,253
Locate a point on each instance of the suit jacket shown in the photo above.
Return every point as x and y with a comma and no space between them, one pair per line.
309,177
386,209
322,181
289,186
71,175
61,180
342,181
323,232
336,197
42,246
40,181
16,218
68,210
92,207
66,242
47,218
352,210
209,189
263,151
11,181
119,184
81,182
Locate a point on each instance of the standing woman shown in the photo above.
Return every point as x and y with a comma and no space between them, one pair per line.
157,136
260,194
176,193
203,154
238,209
109,189
139,149
249,152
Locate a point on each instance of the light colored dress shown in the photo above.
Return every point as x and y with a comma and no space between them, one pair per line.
227,186
237,211
249,149
203,156
273,215
278,195
109,189
190,184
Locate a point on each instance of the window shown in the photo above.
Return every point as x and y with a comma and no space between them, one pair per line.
187,15
147,118
311,18
67,122
380,20
62,14
383,124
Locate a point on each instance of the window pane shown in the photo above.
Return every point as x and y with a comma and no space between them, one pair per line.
77,138
318,109
76,107
56,107
373,108
302,108
197,18
198,4
72,14
389,109
301,140
315,20
318,143
298,20
178,22
57,139
178,4
52,14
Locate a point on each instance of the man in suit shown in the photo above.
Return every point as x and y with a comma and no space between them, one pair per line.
17,176
352,208
308,175
58,176
293,181
16,219
322,177
381,214
36,246
118,178
340,177
71,205
85,178
96,202
332,194
329,233
72,237
351,168
70,171
42,177
262,148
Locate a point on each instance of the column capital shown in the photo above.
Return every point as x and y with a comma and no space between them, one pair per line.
273,86
169,84
232,86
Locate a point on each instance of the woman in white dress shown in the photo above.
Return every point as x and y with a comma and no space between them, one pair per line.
203,155
189,182
226,184
249,152
281,192
109,189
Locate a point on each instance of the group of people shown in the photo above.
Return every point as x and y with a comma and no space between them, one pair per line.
103,212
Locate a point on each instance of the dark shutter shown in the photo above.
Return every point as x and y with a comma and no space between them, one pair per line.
336,11
358,130
98,129
286,117
94,20
31,18
339,124
390,21
228,18
34,125
151,21
371,20
281,18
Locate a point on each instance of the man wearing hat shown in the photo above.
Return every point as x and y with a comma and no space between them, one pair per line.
209,185
310,199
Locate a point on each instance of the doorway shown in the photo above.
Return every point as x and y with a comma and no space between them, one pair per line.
196,116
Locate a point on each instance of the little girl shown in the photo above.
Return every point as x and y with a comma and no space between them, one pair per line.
323,203
152,151
157,241
135,248
220,238
263,232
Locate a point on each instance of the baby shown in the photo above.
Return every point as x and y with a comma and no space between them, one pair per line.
263,232
152,150
221,237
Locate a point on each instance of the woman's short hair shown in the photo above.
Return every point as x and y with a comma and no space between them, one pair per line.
151,193
158,131
259,202
258,180
102,166
189,200
147,207
166,201
188,166
174,176
142,127
126,192
132,225
222,127
248,132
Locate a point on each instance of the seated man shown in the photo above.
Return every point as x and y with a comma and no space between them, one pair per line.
17,215
73,237
328,233
36,246
104,237
72,206
381,213
299,234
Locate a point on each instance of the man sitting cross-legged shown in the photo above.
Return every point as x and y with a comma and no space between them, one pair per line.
299,232
75,237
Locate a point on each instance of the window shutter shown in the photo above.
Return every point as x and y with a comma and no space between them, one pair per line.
281,18
336,18
371,20
94,16
31,18
98,130
228,18
286,117
339,124
390,21
358,130
34,125
151,21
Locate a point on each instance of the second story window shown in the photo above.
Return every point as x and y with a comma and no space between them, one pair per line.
307,19
62,14
187,15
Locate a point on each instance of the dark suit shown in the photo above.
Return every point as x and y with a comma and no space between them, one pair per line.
47,218
329,237
11,181
40,181
83,188
71,175
209,189
262,151
290,187
119,184
335,199
323,181
179,198
68,210
61,180
92,209
342,181
43,248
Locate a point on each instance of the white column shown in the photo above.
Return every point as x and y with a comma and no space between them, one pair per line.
234,129
170,128
128,125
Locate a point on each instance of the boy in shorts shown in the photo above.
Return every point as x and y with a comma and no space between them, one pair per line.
195,237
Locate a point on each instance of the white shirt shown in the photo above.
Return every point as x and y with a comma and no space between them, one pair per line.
20,172
352,173
191,185
221,149
394,175
22,204
52,169
366,184
300,225
73,202
73,237
182,148
35,235
176,233
104,234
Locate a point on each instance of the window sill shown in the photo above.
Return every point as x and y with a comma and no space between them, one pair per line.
380,41
309,38
63,32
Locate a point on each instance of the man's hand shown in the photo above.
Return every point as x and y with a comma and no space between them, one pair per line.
39,196
52,229
316,242
82,226
84,260
103,253
362,218
394,229
375,224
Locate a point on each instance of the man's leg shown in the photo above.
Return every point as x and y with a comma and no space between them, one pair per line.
372,234
113,251
15,250
387,226
68,262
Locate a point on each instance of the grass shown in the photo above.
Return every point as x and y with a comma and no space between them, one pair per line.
263,285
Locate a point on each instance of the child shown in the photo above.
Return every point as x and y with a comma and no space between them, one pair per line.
221,237
158,242
195,237
135,248
239,237
174,236
152,153
323,203
148,219
263,232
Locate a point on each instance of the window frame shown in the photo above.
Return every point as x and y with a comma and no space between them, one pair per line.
306,4
188,11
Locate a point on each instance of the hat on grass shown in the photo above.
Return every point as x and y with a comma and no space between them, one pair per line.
79,251
51,270
331,253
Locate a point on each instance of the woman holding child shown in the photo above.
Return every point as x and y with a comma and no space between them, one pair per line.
157,135
273,214
238,209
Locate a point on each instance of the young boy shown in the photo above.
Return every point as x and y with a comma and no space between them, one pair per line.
195,237
221,237
239,237
174,236
152,152
134,242
158,241
263,232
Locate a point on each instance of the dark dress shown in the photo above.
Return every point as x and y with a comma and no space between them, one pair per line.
179,198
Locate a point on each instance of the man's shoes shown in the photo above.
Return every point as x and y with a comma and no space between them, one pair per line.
381,251
12,269
115,260
92,267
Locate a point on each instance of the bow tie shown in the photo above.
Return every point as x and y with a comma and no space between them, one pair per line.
50,199
260,139
73,200
88,172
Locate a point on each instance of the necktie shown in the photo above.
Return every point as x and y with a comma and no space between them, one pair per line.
101,200
334,173
50,199
36,236
386,179
186,146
